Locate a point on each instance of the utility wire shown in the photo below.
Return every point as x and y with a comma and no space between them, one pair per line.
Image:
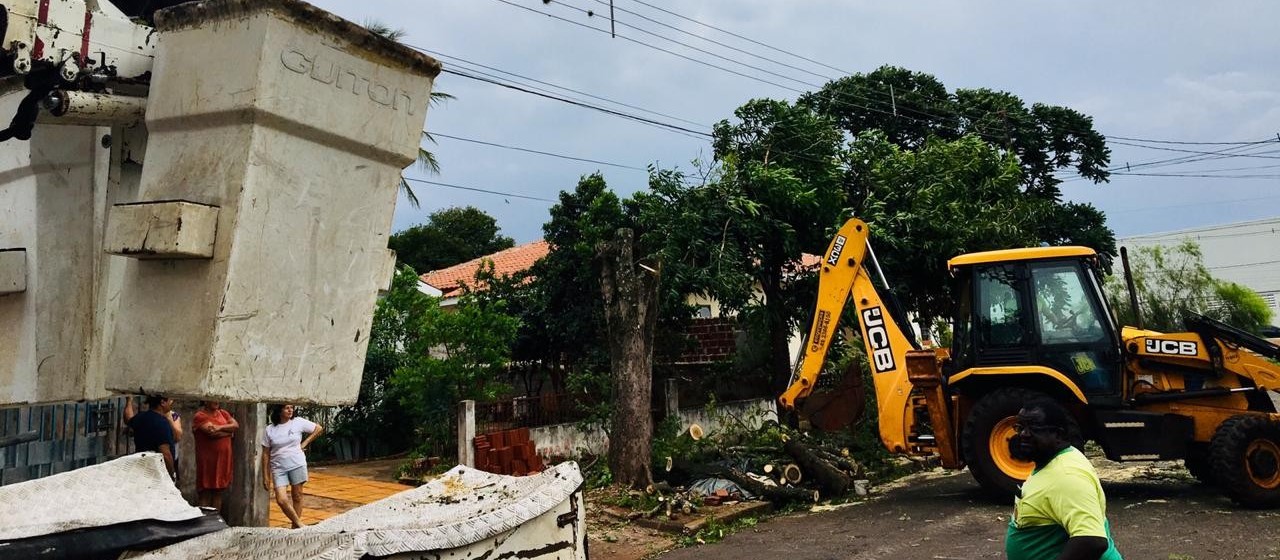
1258,176
560,87
715,42
562,99
1122,143
846,72
474,189
1188,205
655,47
747,39
539,152
1192,143
589,13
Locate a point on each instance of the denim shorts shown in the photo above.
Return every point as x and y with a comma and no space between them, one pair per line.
291,477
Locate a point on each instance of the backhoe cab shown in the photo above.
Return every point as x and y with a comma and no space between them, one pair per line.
1035,322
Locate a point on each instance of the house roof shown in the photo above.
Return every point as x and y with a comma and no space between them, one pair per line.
505,262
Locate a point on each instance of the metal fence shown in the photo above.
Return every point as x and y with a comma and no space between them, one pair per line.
54,438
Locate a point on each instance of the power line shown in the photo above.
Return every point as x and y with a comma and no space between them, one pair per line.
562,99
1191,143
713,41
1245,265
748,39
560,87
1201,176
1122,143
1195,204
539,152
475,189
655,47
688,46
846,72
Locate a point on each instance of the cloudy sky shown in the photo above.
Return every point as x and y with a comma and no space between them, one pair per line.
1176,71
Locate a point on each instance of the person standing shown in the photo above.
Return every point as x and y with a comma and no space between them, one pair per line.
284,459
153,430
1062,511
213,428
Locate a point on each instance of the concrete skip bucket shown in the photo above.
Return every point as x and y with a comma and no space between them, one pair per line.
242,262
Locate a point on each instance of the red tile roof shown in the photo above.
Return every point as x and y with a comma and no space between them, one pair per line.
808,261
505,262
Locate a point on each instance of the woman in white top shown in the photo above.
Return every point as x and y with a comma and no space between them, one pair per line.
284,461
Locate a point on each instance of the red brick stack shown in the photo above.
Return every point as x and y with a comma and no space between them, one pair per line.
508,452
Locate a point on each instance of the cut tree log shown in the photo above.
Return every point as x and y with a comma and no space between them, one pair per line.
658,487
791,472
829,477
775,494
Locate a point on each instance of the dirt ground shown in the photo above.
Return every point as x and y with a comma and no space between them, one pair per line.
1156,512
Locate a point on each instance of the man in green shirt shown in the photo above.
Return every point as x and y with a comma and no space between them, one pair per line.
1062,512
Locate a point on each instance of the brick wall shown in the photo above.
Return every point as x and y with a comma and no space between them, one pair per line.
712,340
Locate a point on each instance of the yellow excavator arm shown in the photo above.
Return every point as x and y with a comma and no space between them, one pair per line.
844,273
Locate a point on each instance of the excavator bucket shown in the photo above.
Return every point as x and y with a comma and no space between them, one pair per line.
835,408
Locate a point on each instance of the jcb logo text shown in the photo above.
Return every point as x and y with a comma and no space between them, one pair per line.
1174,347
878,340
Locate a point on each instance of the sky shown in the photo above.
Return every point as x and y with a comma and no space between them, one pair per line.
1174,71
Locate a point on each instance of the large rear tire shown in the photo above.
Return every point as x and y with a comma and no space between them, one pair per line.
985,442
1245,457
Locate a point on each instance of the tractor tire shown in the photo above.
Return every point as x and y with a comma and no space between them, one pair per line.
1245,458
985,442
1197,463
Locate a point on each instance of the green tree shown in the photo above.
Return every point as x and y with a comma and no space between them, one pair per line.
568,278
1172,281
449,355
941,200
1049,141
777,195
449,237
912,107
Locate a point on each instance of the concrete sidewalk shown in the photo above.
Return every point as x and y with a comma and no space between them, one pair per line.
328,494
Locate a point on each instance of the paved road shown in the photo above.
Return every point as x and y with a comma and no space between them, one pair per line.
1153,516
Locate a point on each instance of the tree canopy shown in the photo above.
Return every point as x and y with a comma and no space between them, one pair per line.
450,236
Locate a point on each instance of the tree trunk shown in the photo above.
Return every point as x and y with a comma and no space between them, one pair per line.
779,336
631,307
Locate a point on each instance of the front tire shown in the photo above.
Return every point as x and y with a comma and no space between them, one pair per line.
1245,457
985,442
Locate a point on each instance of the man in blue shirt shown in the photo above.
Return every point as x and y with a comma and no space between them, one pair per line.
153,430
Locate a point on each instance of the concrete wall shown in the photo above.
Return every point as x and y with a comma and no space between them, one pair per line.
568,440
49,189
294,126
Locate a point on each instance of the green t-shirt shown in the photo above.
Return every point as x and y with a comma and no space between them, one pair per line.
1062,500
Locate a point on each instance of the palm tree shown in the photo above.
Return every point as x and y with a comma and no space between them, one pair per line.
426,160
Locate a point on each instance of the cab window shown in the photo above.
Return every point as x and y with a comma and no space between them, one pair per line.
999,308
1064,311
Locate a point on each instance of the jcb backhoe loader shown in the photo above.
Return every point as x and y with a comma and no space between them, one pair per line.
1034,322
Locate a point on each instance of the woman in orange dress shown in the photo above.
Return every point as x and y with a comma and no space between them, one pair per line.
213,429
